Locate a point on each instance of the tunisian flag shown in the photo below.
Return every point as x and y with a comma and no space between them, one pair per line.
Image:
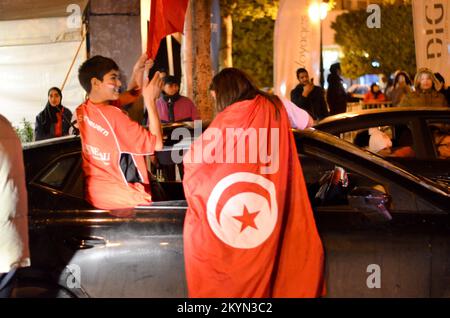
166,17
249,229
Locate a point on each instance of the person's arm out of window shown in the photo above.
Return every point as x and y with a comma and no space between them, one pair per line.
299,118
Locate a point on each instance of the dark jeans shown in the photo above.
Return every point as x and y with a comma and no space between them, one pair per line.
7,283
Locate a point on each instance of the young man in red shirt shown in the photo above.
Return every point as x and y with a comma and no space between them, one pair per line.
107,133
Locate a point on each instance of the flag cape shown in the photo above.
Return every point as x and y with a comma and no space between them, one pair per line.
249,229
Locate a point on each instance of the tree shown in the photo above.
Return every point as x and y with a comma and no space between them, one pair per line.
247,37
253,49
198,55
25,131
392,45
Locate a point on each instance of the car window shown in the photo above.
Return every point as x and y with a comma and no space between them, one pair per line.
386,141
76,187
56,174
439,131
330,185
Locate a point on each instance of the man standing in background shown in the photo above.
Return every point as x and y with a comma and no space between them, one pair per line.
309,97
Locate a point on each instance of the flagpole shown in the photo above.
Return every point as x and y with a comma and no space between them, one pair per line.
74,58
170,54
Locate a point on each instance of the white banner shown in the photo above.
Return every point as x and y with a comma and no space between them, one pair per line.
35,55
296,44
432,35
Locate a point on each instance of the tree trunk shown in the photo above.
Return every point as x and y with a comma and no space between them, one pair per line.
226,45
187,88
201,57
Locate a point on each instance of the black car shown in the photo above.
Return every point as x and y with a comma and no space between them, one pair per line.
406,126
386,232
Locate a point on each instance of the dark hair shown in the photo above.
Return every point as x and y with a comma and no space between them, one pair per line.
439,77
301,70
405,75
232,85
335,67
372,86
95,67
170,79
55,89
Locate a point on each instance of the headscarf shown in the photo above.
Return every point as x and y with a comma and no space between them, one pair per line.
48,115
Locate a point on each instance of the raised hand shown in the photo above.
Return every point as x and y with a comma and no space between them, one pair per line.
140,69
152,89
308,88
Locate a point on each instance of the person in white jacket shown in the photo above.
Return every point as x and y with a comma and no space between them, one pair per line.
14,250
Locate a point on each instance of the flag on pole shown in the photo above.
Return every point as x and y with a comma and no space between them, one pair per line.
166,17
432,35
249,229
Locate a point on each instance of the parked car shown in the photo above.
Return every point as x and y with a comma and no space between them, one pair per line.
406,126
375,219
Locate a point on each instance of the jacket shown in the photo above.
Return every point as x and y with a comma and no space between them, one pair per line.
14,249
314,103
424,98
45,123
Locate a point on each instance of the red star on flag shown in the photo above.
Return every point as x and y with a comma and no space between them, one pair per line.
247,219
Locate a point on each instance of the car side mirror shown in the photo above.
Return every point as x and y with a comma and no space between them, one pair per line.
371,202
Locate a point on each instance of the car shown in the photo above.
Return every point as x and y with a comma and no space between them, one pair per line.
406,126
386,232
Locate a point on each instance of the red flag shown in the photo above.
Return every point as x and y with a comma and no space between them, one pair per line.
166,17
249,229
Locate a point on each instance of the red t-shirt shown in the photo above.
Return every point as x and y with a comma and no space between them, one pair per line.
106,132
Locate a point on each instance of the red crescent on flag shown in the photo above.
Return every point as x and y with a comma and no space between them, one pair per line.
239,188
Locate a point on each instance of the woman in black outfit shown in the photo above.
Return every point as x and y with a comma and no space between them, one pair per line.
54,120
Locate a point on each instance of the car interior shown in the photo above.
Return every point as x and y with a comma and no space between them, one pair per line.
440,134
401,144
328,185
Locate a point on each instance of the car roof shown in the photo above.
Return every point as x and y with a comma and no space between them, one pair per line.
382,113
49,142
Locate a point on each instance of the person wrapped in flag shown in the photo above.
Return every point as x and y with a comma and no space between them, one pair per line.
249,229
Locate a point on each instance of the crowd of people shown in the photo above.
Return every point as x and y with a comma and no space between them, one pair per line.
427,90
109,137
116,173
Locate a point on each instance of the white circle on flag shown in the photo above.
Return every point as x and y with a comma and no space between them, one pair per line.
247,219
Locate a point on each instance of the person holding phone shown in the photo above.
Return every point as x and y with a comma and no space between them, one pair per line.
309,97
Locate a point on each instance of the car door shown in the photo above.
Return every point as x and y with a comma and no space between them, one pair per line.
368,255
97,253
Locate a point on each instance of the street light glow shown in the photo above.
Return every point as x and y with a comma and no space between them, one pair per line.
318,11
